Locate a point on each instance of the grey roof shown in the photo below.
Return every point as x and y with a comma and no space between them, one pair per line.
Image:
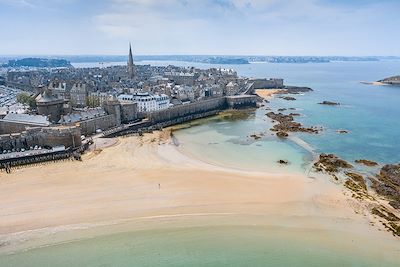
83,115
27,119
47,97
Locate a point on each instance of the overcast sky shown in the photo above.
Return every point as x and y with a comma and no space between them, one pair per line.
212,27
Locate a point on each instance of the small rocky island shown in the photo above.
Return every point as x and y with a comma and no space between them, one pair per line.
394,80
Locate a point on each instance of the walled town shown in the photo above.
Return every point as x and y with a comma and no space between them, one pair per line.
47,113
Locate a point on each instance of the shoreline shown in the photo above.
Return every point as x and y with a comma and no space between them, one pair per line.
241,195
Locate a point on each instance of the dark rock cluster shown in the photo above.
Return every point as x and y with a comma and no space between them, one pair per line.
286,124
331,163
297,89
388,184
366,162
289,98
329,103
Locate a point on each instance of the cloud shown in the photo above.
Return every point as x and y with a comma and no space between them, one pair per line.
290,27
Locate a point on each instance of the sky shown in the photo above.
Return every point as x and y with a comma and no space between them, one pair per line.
200,27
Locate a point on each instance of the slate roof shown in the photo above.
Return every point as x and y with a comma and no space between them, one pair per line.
27,119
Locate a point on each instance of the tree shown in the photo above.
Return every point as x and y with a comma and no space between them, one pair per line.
93,101
26,99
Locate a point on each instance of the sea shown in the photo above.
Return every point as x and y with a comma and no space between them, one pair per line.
370,114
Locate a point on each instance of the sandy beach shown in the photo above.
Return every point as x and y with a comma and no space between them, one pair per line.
268,93
137,179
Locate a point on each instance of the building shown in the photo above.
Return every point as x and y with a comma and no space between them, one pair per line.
50,105
78,94
90,120
129,111
97,99
184,93
113,107
59,89
232,88
147,102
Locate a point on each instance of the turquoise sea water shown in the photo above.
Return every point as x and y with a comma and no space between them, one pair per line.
370,113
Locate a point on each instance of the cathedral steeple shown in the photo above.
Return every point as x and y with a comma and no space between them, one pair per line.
131,66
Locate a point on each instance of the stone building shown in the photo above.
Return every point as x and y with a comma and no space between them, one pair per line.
78,94
232,88
129,111
59,89
50,105
89,120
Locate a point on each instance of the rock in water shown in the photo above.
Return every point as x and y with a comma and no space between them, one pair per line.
366,162
329,103
283,162
282,134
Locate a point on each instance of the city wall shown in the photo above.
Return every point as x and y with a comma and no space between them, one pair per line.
267,83
185,113
12,127
88,127
44,137
177,112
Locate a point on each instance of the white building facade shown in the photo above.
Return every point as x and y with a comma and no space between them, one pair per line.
147,102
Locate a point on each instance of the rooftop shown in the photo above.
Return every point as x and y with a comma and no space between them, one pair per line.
27,119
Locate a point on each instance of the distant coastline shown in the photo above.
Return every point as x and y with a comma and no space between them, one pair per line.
207,59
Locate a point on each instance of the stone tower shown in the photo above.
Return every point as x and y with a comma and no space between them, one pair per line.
131,66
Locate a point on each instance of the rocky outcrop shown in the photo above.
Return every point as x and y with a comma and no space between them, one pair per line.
329,103
331,163
286,124
366,162
289,98
387,184
256,136
297,89
394,80
282,134
283,162
358,179
391,221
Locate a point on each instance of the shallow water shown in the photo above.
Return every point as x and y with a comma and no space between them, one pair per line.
209,246
369,113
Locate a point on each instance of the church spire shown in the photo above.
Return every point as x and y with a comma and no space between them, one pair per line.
130,63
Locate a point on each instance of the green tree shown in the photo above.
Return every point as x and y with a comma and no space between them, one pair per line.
93,101
26,99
